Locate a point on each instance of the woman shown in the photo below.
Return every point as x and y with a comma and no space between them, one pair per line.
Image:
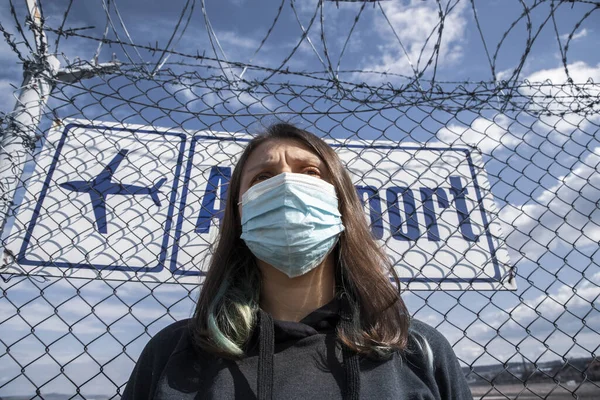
297,302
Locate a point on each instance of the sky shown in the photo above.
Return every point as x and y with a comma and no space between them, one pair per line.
543,169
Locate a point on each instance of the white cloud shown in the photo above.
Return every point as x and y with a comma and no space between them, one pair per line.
66,344
235,39
579,70
231,100
78,313
566,306
567,212
564,213
577,35
553,305
413,23
487,134
567,109
42,317
502,75
511,324
558,94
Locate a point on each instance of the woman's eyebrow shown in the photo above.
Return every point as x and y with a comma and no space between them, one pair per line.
261,166
295,160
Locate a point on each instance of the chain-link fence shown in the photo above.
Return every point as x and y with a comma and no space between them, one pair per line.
75,310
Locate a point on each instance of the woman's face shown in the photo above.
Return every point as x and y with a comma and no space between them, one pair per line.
274,157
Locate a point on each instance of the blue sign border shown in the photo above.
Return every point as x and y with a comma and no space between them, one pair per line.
21,256
178,226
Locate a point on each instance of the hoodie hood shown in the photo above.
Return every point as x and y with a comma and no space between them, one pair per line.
323,320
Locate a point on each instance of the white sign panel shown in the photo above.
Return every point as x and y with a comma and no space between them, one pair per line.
145,203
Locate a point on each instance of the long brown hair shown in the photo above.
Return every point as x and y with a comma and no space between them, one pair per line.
225,315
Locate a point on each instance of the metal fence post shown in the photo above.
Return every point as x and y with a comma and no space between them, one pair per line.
18,140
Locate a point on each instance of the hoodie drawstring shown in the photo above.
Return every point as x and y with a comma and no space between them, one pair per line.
266,351
351,365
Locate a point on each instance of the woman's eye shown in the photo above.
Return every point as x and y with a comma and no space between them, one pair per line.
261,177
313,172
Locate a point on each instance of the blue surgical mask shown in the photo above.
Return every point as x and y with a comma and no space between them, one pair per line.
291,221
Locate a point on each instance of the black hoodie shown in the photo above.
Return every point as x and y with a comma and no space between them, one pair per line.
296,360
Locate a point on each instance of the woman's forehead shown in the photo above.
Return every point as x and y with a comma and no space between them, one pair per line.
273,150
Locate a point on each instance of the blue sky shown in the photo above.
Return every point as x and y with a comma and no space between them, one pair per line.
551,161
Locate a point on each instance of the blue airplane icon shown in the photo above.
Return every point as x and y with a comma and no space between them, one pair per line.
101,186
